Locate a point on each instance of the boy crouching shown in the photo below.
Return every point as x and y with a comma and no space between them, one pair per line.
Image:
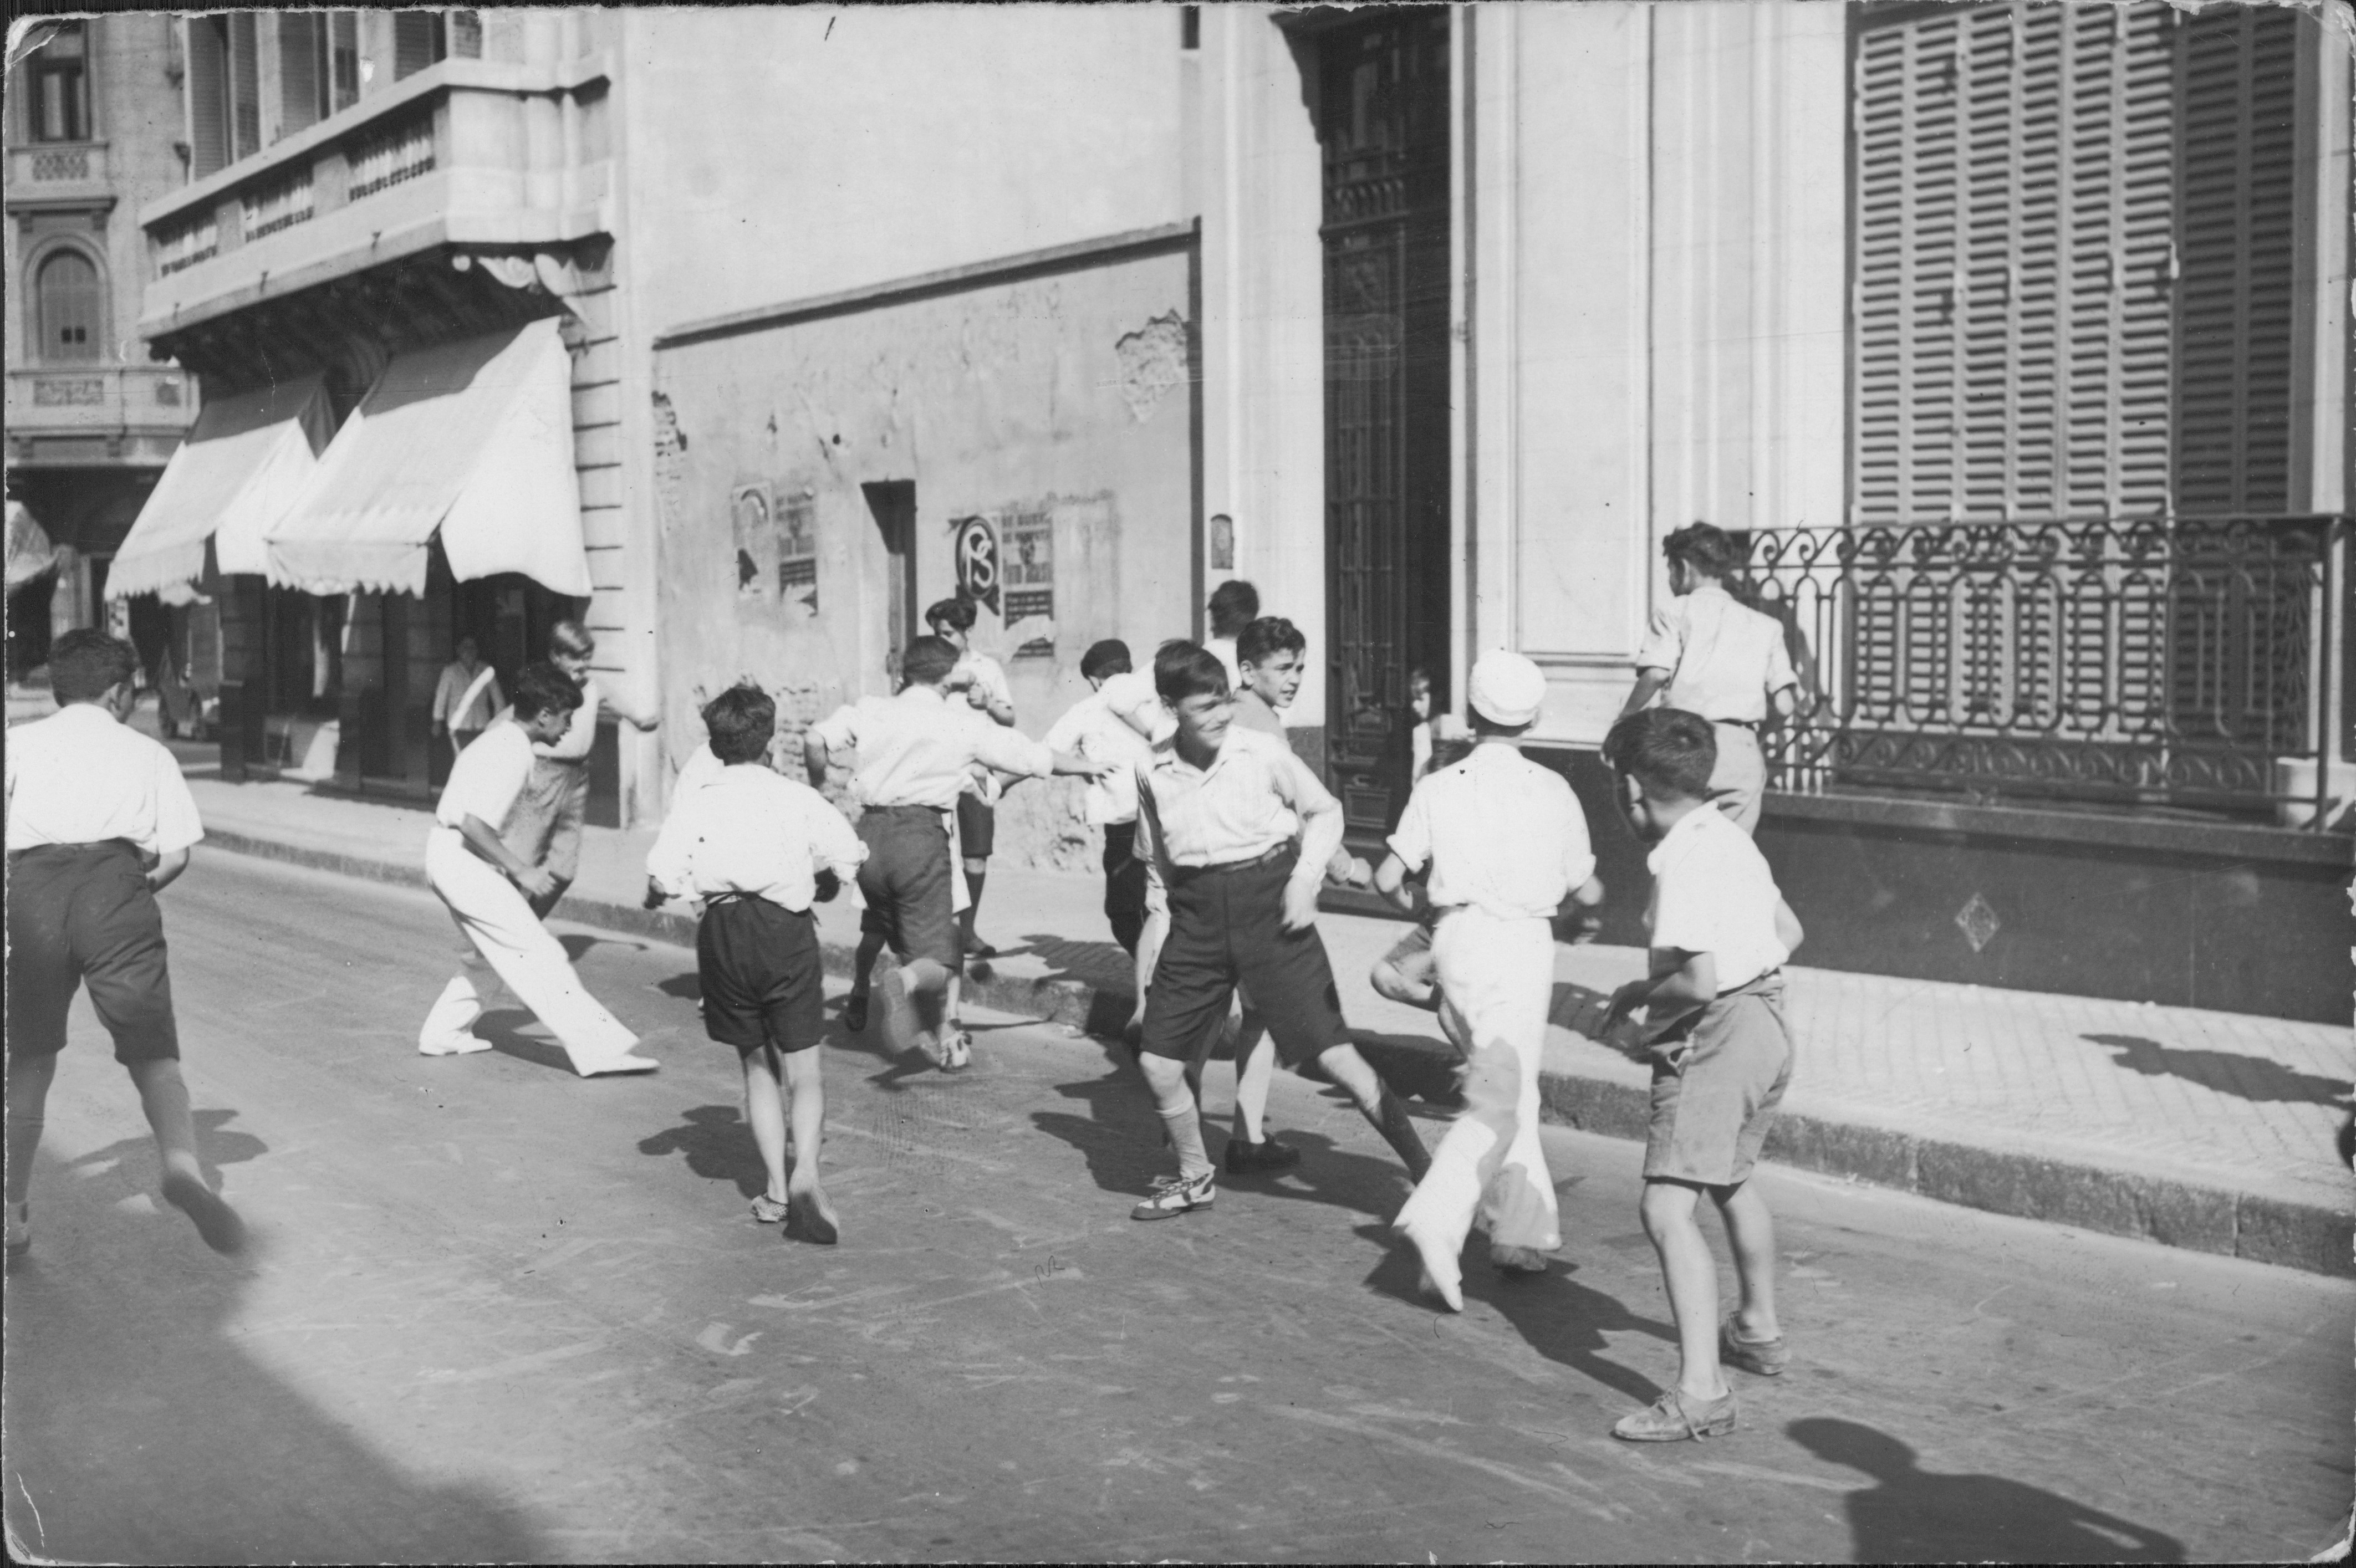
757,849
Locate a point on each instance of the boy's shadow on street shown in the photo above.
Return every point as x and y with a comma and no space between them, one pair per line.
718,1147
1120,1138
1560,1318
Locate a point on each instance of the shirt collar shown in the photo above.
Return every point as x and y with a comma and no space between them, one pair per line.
932,691
1716,588
1167,759
90,712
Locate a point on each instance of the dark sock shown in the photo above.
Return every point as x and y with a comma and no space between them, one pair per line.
1399,1131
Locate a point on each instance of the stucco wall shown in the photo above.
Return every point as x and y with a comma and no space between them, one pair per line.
1040,398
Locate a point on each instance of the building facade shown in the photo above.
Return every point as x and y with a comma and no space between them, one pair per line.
92,133
2013,338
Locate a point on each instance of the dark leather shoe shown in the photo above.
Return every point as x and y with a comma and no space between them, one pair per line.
1245,1157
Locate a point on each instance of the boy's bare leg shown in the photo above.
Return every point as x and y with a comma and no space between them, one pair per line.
164,1095
1255,1071
806,1083
1378,1105
29,1078
1751,1234
764,1112
1691,1276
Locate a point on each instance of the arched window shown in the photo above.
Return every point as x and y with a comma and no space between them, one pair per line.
67,296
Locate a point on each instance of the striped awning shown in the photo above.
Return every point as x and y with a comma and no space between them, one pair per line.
249,455
473,439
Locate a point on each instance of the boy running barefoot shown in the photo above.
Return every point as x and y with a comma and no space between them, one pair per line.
100,822
1219,811
1507,846
757,849
1721,1056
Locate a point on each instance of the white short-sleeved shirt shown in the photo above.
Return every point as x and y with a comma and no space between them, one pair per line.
915,748
1713,892
1501,834
487,777
751,831
1725,660
990,683
1248,801
701,768
78,777
455,706
1223,650
1094,728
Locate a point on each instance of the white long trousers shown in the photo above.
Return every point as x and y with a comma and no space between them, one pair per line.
494,917
1499,973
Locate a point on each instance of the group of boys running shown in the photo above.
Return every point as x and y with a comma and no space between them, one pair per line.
1218,839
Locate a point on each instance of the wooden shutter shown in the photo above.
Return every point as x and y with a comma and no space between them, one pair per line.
244,87
416,42
207,95
2011,317
298,70
2236,245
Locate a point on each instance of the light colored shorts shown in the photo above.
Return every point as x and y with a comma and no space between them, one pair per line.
1716,1084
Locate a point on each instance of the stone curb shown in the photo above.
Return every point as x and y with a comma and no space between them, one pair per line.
2292,1234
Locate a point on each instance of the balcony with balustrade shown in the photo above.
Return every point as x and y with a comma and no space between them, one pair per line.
70,416
421,202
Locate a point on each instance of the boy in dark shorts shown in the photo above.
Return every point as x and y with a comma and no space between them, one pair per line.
100,821
987,691
1721,1056
758,849
1218,810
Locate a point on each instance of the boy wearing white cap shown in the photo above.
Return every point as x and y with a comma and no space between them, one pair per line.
1720,659
1507,845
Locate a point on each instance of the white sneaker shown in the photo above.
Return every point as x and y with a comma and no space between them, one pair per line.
622,1063
453,1045
956,1051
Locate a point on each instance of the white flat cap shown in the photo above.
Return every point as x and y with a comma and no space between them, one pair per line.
1506,688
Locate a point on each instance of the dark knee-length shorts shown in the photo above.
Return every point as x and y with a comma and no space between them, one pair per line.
83,913
762,975
1227,926
905,881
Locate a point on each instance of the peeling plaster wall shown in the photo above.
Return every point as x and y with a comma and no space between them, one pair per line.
1061,397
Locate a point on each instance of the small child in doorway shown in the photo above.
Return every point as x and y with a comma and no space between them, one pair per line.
1721,1056
758,849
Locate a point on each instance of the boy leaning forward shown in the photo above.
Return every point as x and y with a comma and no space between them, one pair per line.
1507,845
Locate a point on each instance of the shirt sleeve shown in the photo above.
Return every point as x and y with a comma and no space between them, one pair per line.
1148,846
1070,732
1131,699
838,729
1577,848
178,826
1682,913
835,845
669,862
1012,752
485,779
1411,841
1664,640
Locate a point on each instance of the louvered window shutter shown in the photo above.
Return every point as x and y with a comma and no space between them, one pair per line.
416,42
244,86
2236,244
207,95
2011,317
298,70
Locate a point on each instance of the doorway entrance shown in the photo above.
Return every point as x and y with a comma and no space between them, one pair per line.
1382,124
893,503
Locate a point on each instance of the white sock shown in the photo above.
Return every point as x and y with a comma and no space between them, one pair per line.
1185,1127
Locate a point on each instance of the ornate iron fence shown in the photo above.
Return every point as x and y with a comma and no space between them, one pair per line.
2173,661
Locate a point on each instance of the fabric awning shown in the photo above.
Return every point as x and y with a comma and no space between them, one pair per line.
471,438
247,459
30,553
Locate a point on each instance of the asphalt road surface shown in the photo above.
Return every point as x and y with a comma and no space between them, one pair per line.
495,1312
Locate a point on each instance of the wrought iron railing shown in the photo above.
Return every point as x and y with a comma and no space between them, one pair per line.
2191,662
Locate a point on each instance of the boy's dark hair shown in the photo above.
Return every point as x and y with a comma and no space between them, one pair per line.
1182,670
958,612
570,636
1668,749
1234,604
544,688
1108,658
1268,634
86,664
928,661
741,721
1708,550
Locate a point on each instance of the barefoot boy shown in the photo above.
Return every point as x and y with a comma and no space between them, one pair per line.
99,822
1721,1056
754,847
1507,845
485,884
1218,810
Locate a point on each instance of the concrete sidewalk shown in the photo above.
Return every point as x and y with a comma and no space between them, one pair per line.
2210,1131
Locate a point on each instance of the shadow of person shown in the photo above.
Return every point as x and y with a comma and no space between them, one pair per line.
2251,1078
138,1429
1120,1138
1921,1516
1102,966
577,944
216,1146
503,1028
687,988
718,1146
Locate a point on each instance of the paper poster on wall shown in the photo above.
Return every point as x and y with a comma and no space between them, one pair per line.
749,507
798,551
1028,568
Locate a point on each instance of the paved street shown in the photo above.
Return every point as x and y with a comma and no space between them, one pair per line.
497,1312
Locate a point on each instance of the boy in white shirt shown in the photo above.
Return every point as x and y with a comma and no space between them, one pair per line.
986,690
1722,660
100,821
758,849
485,884
1507,846
1721,1057
1115,723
